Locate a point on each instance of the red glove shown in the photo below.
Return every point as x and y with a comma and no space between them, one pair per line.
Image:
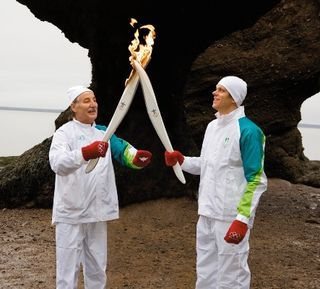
142,158
236,232
95,150
171,158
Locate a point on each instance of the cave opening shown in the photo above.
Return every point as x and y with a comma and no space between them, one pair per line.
309,127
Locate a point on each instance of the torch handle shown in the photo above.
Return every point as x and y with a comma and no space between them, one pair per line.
155,115
91,165
122,108
118,115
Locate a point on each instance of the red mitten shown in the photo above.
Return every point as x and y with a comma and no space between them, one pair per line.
142,158
171,158
236,232
95,150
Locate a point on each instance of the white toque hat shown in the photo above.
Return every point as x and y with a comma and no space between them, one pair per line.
236,86
75,91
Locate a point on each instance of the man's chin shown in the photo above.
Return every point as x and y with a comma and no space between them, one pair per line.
92,118
92,115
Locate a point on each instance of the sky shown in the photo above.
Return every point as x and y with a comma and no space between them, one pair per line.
37,66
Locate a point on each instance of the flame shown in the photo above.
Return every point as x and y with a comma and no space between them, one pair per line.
133,22
142,52
138,51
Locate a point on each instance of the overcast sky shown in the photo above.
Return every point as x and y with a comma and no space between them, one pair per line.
37,65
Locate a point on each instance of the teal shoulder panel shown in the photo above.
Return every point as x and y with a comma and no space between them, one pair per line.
121,150
252,142
101,127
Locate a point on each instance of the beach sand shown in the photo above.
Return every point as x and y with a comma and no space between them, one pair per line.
152,245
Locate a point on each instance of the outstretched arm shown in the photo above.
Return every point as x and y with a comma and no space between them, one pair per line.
127,155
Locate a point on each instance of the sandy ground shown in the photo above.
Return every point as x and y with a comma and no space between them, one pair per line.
152,245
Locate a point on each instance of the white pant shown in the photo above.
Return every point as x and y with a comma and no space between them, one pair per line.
81,243
220,265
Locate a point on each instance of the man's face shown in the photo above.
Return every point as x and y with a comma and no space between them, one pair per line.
85,107
222,100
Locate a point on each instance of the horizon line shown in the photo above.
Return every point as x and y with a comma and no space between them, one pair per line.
50,110
309,125
53,110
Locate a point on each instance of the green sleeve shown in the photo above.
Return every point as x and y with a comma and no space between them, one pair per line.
252,143
121,150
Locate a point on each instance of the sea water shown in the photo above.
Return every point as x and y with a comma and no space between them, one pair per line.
311,142
21,130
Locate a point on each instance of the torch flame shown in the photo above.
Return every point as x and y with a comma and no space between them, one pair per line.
133,22
141,52
138,51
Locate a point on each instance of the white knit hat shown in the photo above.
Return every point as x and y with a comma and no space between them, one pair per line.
236,86
75,91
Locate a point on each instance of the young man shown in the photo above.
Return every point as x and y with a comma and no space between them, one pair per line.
83,203
232,179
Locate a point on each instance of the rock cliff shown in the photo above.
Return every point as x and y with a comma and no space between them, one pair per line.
274,46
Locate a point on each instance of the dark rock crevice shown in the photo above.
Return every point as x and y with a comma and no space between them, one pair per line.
274,46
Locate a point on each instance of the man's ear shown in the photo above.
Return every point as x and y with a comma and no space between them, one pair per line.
234,102
72,106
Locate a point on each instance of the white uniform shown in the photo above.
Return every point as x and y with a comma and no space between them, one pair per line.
80,197
83,203
232,180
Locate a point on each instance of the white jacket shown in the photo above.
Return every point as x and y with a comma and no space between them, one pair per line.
80,197
230,166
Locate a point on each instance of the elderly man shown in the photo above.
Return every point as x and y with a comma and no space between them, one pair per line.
83,203
232,179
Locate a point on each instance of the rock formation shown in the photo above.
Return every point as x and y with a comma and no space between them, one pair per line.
274,47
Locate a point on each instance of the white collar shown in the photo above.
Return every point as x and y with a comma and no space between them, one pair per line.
85,125
226,118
